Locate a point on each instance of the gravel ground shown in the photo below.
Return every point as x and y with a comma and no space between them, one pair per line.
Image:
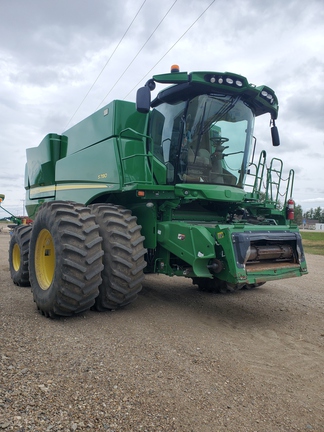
175,360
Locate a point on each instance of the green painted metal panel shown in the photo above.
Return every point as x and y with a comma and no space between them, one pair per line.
210,192
135,161
146,217
193,244
41,160
99,163
107,122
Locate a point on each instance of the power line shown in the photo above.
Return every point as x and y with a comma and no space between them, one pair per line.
147,40
183,34
117,46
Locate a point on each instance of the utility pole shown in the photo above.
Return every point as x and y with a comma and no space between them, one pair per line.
23,207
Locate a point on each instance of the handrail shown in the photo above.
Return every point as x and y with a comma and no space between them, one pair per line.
274,177
148,155
258,175
268,181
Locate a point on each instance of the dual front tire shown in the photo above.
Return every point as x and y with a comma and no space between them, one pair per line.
123,259
65,260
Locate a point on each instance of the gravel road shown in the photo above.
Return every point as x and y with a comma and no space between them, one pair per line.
175,360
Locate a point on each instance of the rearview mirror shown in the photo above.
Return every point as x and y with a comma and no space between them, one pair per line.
275,136
143,100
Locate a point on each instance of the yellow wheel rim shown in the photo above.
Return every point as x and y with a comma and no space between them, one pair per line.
16,257
44,259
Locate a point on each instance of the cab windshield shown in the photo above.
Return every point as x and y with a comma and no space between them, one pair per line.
204,140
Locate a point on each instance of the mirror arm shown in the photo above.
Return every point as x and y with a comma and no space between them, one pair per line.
150,84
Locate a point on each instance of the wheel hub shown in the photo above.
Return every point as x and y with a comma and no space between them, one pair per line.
45,259
16,257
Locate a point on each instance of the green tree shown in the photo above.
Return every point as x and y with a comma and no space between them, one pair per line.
317,213
309,214
298,214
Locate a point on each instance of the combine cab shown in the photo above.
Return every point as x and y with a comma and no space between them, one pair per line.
167,186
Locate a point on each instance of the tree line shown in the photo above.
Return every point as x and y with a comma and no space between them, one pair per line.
315,214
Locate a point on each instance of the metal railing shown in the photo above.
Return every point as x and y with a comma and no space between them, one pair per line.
266,183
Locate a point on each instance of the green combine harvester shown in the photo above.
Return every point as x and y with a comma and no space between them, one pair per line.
16,220
166,186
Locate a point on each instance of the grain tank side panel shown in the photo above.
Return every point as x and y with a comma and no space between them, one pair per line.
90,158
89,172
41,160
107,122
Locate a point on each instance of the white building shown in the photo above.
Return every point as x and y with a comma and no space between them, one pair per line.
319,226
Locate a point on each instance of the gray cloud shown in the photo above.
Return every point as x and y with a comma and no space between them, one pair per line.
45,39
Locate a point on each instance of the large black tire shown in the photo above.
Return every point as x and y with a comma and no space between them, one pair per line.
19,255
123,259
215,285
252,286
65,259
221,287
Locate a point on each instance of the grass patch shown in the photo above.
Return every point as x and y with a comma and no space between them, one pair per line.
313,242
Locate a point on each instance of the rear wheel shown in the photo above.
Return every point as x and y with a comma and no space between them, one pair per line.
215,285
65,259
123,258
252,286
19,255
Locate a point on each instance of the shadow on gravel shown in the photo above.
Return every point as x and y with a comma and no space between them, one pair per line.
242,308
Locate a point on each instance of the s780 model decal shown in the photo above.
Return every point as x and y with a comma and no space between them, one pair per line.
102,176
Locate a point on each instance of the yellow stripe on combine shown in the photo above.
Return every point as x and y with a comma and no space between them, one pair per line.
46,189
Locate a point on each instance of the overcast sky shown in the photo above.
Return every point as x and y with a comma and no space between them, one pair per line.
62,60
